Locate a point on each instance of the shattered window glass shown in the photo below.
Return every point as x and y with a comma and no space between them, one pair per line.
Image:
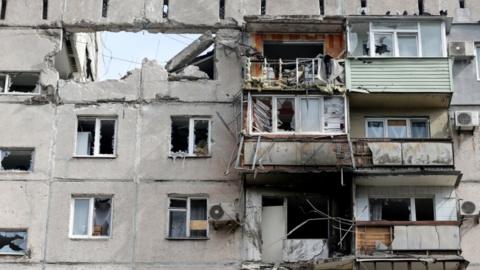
180,132
85,137
92,217
201,137
95,136
358,39
334,114
13,242
383,44
102,216
107,137
3,83
16,159
262,114
286,114
392,209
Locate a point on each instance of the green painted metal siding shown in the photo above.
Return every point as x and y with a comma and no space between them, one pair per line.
400,74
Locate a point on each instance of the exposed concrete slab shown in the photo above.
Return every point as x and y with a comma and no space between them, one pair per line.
23,13
116,249
190,52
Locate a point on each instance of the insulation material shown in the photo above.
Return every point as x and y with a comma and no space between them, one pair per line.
334,111
301,250
426,238
370,239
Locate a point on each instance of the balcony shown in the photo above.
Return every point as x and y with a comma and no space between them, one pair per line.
421,236
411,75
297,74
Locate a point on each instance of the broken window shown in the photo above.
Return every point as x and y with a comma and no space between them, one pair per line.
91,217
96,136
322,7
285,114
299,211
402,209
291,50
461,3
222,9
105,8
19,83
45,10
300,114
190,136
397,128
13,242
263,7
420,7
3,10
165,9
187,218
16,159
393,39
363,3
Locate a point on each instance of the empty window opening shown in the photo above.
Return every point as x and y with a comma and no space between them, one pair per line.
3,10
16,159
91,217
262,114
363,3
272,201
222,9
13,242
187,218
285,114
105,8
392,209
299,211
420,7
322,7
45,10
190,136
96,137
165,9
19,83
292,50
424,209
89,65
263,7
462,3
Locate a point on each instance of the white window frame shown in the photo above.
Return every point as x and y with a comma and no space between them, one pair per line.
477,60
298,116
6,88
191,135
385,126
90,217
395,33
187,220
96,137
413,212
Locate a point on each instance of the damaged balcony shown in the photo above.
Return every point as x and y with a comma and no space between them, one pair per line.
405,161
294,133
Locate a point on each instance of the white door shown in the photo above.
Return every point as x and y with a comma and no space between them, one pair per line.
273,231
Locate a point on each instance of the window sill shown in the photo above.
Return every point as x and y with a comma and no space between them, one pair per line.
90,238
187,238
4,254
15,172
19,94
96,157
172,156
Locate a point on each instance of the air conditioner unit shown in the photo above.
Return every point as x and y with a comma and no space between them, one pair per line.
223,212
468,208
461,50
466,120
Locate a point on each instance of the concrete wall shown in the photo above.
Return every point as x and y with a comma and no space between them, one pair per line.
439,122
445,201
186,15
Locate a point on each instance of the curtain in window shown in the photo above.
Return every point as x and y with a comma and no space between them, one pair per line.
310,114
419,129
80,217
375,129
375,209
397,128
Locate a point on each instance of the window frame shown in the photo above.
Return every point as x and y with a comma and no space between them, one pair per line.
385,126
6,89
395,33
297,117
91,208
187,218
191,136
96,137
413,212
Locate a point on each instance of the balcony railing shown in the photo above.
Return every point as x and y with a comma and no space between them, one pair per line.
381,236
298,73
371,153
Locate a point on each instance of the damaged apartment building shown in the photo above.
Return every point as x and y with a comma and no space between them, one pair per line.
307,134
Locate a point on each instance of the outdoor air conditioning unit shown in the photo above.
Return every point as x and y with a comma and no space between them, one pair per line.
466,120
468,208
225,216
461,50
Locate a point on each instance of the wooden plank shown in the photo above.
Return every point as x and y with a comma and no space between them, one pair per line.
198,225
